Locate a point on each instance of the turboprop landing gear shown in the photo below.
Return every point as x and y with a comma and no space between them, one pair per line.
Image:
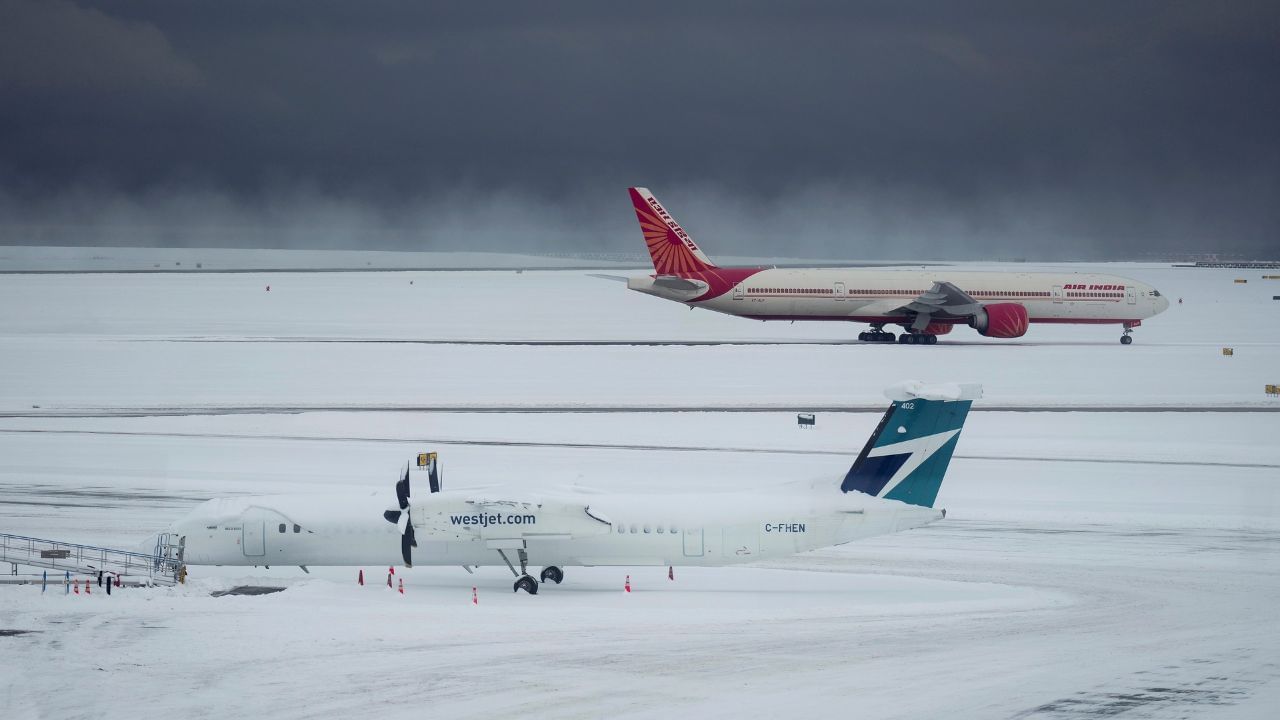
523,580
552,573
877,334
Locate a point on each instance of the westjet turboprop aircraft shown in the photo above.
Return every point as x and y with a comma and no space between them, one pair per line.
891,487
926,303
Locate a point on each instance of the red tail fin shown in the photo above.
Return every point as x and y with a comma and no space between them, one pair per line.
671,248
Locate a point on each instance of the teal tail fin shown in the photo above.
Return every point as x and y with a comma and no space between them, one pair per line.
907,456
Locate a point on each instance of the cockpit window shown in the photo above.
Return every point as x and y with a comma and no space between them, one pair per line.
281,527
297,529
1155,292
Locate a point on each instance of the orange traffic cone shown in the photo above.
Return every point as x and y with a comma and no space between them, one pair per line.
627,586
360,580
117,581
76,582
475,598
86,586
401,586
671,573
388,579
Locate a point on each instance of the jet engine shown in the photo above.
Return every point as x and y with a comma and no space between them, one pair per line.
1000,320
937,328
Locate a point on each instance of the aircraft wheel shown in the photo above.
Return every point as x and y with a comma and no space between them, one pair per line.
890,337
862,336
552,573
930,339
1126,340
526,584
907,339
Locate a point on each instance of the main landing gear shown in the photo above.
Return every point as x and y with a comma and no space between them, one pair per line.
877,334
524,581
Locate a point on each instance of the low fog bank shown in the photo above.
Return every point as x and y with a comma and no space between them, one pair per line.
824,222
72,259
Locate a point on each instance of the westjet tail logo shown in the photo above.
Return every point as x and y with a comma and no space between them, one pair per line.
918,451
885,467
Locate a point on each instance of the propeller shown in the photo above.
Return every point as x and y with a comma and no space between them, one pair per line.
401,519
435,474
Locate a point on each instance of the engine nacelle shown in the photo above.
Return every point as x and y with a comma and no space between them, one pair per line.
938,329
1001,320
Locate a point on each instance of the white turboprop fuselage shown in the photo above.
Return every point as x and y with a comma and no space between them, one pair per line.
873,295
562,529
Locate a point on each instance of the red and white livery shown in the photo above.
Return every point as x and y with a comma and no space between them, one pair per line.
926,303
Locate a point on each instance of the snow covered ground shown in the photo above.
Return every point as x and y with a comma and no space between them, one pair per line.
1092,563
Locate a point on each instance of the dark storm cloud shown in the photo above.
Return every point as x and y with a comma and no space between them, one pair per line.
870,130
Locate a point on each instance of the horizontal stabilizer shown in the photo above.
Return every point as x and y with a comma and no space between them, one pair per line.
675,283
917,390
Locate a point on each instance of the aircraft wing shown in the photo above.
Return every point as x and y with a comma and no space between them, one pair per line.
943,298
946,299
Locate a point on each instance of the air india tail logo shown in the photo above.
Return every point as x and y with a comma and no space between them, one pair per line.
671,248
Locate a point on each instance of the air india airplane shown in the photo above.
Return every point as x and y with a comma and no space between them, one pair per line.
891,486
926,303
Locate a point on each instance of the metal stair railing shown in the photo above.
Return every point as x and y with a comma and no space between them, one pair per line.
163,565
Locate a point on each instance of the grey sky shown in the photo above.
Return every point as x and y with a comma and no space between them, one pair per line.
988,130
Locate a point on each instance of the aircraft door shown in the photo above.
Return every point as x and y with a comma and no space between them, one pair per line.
693,542
252,538
840,291
1131,296
1057,293
737,291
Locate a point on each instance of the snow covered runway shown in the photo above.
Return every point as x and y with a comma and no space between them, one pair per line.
1091,562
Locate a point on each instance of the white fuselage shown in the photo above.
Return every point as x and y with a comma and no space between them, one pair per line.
572,529
871,295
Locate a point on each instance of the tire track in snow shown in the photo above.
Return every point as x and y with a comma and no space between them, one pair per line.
638,447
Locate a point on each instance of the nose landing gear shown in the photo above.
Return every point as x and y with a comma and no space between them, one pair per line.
1126,338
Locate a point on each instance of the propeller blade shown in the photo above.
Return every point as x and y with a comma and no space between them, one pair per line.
434,476
406,545
402,489
402,523
392,516
413,538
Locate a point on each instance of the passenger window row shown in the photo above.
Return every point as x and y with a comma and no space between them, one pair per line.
646,529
